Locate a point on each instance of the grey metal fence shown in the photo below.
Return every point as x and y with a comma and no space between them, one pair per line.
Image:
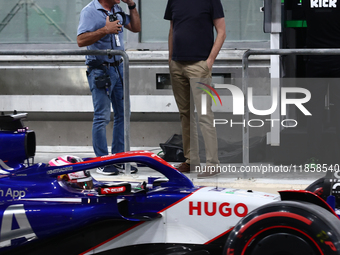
126,84
245,67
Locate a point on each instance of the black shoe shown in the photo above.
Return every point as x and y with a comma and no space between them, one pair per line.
121,168
107,170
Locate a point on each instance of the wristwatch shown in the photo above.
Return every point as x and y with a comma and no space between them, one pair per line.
132,7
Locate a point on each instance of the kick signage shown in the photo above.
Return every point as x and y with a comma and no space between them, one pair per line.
323,3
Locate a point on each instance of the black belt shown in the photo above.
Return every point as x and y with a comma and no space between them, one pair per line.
116,63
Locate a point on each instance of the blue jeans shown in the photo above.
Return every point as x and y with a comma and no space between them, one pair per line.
102,110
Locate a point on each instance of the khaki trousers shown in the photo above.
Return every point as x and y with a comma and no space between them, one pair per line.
185,76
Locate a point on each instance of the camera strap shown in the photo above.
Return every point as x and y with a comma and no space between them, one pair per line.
114,17
121,14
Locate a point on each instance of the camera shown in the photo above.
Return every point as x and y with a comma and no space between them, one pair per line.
113,17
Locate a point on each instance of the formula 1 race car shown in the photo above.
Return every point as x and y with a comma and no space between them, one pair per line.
54,209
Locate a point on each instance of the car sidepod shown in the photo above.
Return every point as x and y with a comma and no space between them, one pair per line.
201,218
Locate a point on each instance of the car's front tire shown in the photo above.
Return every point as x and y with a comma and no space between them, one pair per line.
286,228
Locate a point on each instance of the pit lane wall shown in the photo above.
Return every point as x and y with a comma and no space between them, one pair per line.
53,90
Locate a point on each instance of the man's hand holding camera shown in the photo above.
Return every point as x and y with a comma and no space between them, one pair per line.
112,27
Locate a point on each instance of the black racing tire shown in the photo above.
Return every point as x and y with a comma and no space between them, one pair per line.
286,228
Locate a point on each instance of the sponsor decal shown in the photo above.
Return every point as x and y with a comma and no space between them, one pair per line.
23,232
212,208
323,3
112,190
12,193
60,170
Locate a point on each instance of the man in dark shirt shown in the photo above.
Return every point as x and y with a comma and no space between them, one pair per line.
323,31
192,52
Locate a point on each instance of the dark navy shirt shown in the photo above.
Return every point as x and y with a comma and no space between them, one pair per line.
193,28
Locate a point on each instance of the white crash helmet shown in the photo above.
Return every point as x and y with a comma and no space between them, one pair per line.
79,180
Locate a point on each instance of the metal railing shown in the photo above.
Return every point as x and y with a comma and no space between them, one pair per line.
245,76
126,85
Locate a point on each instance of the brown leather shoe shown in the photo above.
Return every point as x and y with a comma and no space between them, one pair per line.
183,167
210,172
